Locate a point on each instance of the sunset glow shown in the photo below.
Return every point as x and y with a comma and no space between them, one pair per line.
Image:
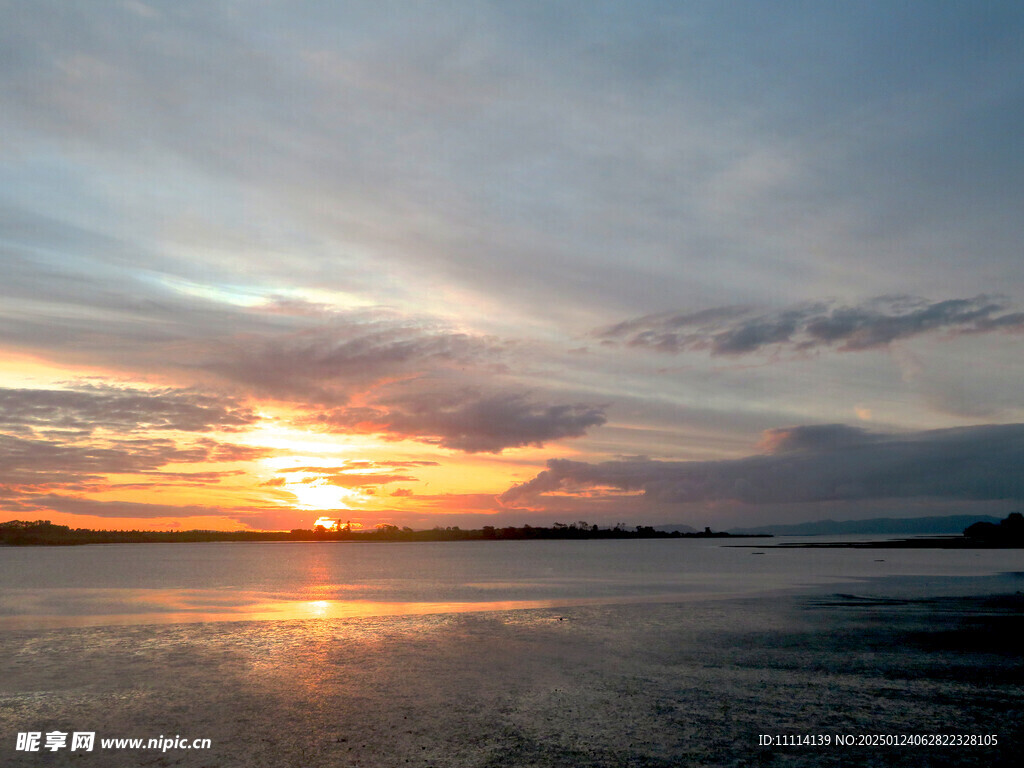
260,268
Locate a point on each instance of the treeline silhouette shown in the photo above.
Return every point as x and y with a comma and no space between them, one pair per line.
43,532
1008,532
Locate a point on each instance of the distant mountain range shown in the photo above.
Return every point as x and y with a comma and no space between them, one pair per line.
950,524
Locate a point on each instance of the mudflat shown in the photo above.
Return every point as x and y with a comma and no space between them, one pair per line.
651,685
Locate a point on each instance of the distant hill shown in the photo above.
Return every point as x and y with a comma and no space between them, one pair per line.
877,525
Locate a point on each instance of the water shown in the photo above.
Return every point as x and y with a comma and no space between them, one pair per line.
222,642
162,583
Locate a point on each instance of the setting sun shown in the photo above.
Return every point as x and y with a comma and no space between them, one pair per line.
325,326
331,522
320,495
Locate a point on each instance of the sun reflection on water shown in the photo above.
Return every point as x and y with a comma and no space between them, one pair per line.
318,607
118,607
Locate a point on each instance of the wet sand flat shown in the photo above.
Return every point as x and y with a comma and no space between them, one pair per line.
617,685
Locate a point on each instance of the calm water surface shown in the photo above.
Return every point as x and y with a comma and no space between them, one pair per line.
145,583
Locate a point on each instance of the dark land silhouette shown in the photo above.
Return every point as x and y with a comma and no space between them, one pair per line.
43,532
943,525
1006,534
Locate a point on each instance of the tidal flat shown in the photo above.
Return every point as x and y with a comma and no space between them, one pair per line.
646,684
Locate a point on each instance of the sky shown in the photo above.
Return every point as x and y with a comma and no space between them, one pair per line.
505,263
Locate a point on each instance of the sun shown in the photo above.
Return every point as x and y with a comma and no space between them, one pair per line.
329,522
311,489
320,495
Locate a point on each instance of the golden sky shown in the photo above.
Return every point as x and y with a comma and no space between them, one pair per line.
511,262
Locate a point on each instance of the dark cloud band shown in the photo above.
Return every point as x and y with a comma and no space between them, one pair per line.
871,325
122,409
814,464
468,420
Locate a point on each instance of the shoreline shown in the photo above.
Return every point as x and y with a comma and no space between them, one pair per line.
930,542
43,533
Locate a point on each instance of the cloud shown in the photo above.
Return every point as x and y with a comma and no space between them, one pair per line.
24,460
557,138
355,466
871,325
94,308
127,509
814,464
468,420
192,479
85,408
193,195
32,462
349,476
325,363
816,437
